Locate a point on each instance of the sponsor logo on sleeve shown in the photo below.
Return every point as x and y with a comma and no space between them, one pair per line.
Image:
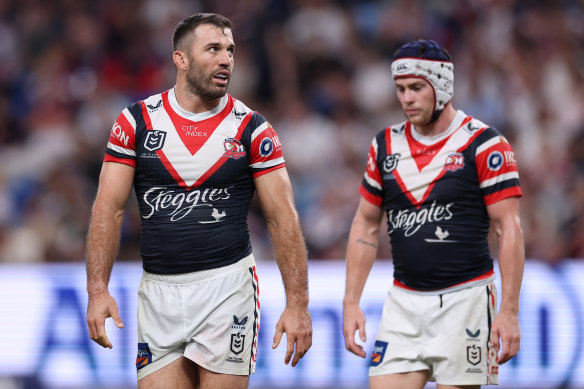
495,161
266,147
119,133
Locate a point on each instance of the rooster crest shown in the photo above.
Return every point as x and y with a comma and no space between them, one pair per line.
441,234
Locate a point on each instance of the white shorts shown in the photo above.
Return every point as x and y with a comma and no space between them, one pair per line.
446,334
212,317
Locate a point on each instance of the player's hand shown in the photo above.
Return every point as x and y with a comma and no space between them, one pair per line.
100,307
353,320
297,325
505,334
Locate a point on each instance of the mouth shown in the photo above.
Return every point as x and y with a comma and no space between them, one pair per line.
222,77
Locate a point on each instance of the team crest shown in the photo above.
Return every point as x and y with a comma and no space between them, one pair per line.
237,342
233,148
390,162
473,354
154,140
454,162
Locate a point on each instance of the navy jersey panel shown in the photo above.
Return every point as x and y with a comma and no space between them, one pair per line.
194,181
435,198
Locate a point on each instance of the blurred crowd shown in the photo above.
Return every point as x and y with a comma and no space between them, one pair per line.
319,70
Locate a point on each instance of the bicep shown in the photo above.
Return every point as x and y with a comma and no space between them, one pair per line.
274,191
504,214
368,215
115,185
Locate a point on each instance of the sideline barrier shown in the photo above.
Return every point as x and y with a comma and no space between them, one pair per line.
43,330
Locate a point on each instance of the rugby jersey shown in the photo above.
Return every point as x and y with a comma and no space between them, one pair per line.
435,193
193,179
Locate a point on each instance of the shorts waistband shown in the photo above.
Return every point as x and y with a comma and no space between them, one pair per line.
484,279
194,277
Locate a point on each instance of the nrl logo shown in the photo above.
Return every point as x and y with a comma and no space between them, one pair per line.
237,341
390,162
154,140
473,354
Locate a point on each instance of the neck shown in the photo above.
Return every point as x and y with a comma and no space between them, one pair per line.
190,101
439,125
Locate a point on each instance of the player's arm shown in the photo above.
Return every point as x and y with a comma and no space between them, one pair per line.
361,253
115,185
277,202
504,216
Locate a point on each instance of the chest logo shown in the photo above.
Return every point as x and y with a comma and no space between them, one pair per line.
233,148
154,140
390,162
454,162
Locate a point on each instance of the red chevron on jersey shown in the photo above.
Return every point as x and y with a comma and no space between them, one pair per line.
192,163
420,167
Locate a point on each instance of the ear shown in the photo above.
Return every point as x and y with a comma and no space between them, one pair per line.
180,59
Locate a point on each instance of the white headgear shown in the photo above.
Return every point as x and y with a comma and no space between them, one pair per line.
428,60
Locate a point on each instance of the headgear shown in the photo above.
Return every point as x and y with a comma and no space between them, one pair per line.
428,60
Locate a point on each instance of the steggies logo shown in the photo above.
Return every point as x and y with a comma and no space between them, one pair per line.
411,220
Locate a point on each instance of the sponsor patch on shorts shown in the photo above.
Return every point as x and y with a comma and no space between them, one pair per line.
144,355
378,352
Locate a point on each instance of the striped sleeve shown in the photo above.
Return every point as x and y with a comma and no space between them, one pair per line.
265,152
372,184
121,146
497,169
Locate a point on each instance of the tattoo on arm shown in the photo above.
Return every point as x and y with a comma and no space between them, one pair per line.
366,243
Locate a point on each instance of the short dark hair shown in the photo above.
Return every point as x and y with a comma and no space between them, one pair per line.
185,27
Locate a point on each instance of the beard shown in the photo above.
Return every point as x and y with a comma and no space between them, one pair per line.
201,84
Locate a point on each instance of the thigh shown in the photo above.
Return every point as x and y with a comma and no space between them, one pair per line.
412,380
181,373
212,380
